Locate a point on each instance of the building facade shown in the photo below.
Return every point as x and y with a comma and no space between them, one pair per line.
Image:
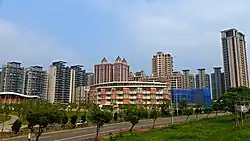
103,72
177,80
162,65
120,70
202,79
188,79
78,78
130,92
12,77
218,84
137,76
90,79
192,96
35,81
58,82
234,58
108,72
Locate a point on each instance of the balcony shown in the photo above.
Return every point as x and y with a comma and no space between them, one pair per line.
120,92
132,97
108,92
120,97
133,92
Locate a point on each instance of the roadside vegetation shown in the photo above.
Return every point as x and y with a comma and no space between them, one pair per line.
214,129
235,127
38,117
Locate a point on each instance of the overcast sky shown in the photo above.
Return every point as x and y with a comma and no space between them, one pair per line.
38,32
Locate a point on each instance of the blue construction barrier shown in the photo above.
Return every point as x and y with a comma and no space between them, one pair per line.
192,96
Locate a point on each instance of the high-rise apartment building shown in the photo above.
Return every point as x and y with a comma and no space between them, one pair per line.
202,79
108,72
177,80
188,79
162,65
58,82
35,81
12,77
90,79
234,58
103,72
218,84
78,78
120,69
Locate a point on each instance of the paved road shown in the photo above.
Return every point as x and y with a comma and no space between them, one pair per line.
90,132
8,124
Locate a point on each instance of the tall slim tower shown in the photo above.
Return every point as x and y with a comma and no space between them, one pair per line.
162,65
12,77
103,72
78,78
120,70
234,58
188,79
217,81
58,82
202,79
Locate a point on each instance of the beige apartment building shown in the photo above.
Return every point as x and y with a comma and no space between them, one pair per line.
162,65
234,58
177,80
188,79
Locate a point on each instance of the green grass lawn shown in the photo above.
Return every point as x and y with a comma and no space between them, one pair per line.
3,118
219,129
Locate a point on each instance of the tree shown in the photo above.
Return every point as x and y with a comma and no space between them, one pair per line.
42,114
99,117
115,116
16,126
208,111
188,112
73,120
165,111
154,114
132,115
65,119
6,110
197,110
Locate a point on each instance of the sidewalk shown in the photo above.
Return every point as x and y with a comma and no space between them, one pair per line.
8,124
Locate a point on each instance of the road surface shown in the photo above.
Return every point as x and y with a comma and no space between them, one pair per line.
90,132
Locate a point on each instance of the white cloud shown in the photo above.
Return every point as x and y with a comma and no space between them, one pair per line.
31,48
188,29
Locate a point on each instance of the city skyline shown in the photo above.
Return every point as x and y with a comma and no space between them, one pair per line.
94,29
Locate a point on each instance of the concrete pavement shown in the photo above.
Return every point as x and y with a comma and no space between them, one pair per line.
8,124
90,132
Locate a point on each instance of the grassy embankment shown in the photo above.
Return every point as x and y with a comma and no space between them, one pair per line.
215,129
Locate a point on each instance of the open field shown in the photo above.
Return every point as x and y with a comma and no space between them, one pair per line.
215,129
